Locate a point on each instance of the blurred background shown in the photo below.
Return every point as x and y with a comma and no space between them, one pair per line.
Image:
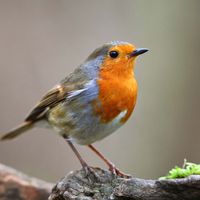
43,41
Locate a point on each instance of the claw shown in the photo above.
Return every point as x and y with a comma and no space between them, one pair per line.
115,171
90,173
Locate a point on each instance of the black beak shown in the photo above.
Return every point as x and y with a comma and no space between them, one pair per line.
138,52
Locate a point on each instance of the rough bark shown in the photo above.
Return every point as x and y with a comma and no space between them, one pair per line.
78,186
97,185
17,186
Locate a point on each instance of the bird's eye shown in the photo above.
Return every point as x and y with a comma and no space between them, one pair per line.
113,54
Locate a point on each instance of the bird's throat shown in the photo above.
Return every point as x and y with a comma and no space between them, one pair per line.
116,94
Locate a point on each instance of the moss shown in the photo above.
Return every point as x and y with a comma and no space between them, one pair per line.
187,170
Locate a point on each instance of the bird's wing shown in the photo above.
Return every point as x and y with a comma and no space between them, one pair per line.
56,95
52,98
83,90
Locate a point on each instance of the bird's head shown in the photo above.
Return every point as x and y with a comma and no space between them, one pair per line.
117,56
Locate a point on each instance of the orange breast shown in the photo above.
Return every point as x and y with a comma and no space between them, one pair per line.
117,93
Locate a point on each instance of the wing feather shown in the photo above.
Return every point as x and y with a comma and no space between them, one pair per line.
51,99
60,93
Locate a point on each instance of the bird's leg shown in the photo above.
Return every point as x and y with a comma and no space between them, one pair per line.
88,170
111,166
83,163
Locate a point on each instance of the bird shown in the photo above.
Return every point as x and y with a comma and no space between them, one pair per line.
92,102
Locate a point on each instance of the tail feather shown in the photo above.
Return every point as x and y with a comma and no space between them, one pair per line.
17,131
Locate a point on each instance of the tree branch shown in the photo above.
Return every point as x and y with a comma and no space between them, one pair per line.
105,186
17,186
96,185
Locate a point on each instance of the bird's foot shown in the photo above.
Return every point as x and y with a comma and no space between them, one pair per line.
90,173
117,172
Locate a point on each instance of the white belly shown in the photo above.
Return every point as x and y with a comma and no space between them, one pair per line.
80,125
98,131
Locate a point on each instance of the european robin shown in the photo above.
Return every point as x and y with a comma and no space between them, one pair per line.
92,102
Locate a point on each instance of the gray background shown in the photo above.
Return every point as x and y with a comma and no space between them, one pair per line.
42,41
